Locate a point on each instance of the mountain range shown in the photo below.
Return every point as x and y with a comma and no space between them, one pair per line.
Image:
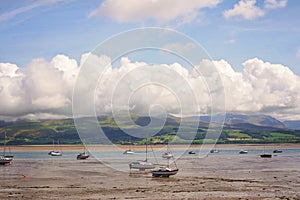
237,128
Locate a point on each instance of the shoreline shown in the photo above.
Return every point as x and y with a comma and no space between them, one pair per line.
142,147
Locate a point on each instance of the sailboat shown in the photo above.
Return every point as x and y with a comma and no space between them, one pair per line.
55,152
168,154
277,151
167,170
142,165
214,151
5,159
129,151
83,155
265,155
243,151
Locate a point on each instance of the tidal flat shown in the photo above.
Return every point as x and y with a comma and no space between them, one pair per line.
226,175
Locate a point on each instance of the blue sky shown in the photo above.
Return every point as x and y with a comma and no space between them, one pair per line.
254,44
65,27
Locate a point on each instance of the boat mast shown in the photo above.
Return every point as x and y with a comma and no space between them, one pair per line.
4,143
146,149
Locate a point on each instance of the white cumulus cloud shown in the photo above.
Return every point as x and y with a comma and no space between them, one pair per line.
159,11
247,9
273,4
44,89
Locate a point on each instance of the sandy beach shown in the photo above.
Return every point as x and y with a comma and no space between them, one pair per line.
212,177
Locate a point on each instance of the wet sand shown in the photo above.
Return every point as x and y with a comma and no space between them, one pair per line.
212,177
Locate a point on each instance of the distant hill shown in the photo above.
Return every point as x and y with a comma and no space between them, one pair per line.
238,128
292,124
258,120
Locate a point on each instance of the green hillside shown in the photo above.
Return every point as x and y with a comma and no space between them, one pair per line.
45,131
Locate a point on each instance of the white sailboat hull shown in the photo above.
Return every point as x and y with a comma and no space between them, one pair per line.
141,165
5,160
55,153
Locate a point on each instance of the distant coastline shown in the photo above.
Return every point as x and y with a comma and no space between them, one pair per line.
67,147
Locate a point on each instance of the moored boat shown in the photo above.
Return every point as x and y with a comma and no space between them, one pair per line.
82,156
214,151
266,155
167,155
192,152
129,151
55,152
5,161
164,172
277,151
142,165
4,158
243,152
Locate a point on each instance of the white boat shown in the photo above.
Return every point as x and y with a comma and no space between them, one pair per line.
167,155
277,151
55,152
4,158
129,151
142,165
243,152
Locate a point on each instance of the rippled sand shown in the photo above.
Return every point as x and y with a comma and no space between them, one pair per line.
212,177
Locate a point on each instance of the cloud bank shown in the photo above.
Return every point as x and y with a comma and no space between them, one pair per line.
44,89
136,11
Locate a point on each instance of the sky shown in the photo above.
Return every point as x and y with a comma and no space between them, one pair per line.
253,43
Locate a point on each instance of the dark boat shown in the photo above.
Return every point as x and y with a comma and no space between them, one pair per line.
277,151
192,152
265,155
82,156
164,172
214,151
